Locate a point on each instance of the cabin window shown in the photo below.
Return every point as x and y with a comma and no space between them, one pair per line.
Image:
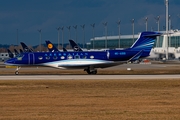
40,57
62,57
92,57
77,57
69,57
55,57
47,57
84,57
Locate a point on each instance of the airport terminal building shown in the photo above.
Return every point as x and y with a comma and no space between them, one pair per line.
125,41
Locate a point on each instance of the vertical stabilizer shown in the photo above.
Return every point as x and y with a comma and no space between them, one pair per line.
145,41
51,47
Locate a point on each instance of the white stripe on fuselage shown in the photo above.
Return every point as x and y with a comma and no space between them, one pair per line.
75,62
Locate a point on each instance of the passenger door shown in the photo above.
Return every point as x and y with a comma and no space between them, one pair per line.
31,58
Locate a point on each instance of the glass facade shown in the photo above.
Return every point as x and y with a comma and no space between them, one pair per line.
174,41
127,40
112,42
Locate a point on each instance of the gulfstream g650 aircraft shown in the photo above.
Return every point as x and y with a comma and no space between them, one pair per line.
87,60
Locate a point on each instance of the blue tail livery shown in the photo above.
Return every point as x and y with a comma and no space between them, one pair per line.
89,61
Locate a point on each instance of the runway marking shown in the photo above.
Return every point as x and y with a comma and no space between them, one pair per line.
86,77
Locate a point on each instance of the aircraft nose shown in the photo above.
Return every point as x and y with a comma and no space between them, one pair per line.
8,62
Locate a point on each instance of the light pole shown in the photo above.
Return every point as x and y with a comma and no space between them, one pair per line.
118,22
169,18
178,16
93,26
83,26
17,37
132,21
146,22
69,28
105,27
167,3
58,36
75,27
170,26
40,38
62,28
157,21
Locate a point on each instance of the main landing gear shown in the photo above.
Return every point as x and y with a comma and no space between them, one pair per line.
91,71
17,72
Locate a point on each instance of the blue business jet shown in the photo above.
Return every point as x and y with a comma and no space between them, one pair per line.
90,61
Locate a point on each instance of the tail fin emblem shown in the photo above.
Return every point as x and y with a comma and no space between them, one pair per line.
50,46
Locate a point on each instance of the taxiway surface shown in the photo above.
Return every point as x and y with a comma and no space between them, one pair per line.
87,77
47,76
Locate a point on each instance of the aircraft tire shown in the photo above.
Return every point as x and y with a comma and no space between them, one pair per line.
88,71
94,72
16,73
91,72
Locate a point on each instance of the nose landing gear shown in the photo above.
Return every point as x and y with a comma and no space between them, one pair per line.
17,72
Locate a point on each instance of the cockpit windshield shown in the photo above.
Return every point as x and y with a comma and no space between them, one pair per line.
19,56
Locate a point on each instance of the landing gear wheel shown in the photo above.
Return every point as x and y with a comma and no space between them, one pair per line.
16,73
91,72
94,72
